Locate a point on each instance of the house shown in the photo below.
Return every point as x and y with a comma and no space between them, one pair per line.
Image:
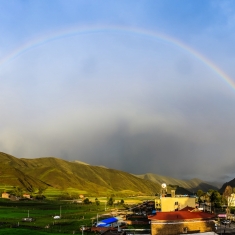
178,222
109,222
6,195
106,224
25,195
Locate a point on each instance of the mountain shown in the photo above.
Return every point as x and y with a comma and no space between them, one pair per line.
56,173
191,185
230,183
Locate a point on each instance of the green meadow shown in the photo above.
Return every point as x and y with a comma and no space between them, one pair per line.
19,231
73,215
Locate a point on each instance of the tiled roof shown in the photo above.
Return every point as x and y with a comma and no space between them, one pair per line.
181,215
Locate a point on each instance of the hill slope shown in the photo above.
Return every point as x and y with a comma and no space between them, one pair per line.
230,183
61,174
191,185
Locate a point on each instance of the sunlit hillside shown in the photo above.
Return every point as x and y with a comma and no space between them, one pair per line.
63,175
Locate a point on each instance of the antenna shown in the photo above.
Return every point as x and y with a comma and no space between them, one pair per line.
163,190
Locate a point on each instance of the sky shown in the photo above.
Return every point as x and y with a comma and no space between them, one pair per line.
138,86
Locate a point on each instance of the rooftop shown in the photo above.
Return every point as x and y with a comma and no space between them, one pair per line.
181,215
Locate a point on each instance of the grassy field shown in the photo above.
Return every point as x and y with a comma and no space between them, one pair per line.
73,215
19,231
53,193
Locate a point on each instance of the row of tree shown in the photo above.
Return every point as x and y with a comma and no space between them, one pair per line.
215,198
110,201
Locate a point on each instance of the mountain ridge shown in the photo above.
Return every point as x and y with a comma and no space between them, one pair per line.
192,185
229,183
61,174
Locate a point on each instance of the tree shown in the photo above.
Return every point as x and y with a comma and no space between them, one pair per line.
110,201
86,201
228,191
200,195
215,198
122,201
18,191
97,202
227,194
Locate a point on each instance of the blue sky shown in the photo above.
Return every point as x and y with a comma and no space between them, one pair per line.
125,84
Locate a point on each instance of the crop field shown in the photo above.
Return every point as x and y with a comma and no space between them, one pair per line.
73,215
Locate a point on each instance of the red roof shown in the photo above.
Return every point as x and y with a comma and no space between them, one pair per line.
181,215
187,208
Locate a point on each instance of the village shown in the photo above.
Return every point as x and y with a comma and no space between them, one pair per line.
172,214
168,214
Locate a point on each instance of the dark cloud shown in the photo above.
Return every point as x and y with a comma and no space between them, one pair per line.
123,99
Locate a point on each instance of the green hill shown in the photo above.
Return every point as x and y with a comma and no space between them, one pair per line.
191,185
63,175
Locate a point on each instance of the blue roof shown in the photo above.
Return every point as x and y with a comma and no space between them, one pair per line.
107,222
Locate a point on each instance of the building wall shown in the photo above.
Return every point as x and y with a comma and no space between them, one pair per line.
158,204
174,203
5,195
177,227
231,200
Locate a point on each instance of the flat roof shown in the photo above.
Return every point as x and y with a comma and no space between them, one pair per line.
105,222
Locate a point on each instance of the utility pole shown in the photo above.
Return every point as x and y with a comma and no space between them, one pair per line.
82,228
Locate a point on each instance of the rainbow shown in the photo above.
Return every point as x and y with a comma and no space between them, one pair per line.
97,29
